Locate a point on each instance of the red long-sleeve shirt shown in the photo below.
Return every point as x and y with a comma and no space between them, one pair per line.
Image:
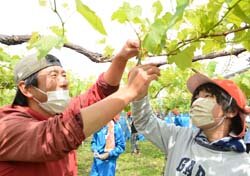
34,145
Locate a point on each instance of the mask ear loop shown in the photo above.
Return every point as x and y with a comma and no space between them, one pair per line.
41,91
229,103
218,124
223,118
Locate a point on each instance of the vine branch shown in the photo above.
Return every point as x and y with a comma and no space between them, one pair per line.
19,39
59,16
99,58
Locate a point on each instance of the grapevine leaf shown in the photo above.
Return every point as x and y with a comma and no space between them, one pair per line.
158,8
181,5
183,59
90,16
45,43
153,40
127,13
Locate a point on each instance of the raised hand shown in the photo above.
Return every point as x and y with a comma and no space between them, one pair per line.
139,79
129,50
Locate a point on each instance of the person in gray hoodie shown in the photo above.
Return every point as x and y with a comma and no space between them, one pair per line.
215,147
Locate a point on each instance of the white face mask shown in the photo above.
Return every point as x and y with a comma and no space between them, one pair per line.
56,102
201,112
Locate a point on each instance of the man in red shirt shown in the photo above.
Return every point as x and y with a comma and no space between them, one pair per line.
40,131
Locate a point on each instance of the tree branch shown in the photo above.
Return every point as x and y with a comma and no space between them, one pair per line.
99,58
237,72
157,93
235,52
222,18
59,16
203,36
19,39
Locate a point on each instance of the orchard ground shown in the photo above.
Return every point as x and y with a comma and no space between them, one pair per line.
149,162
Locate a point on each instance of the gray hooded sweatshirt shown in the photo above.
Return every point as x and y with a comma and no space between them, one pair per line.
185,157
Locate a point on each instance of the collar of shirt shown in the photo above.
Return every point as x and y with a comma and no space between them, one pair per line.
224,144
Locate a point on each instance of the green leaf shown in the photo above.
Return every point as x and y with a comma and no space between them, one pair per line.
108,51
183,59
4,57
65,5
43,2
90,16
246,44
211,68
213,44
181,5
241,14
57,30
102,41
171,45
245,81
33,39
45,43
158,8
127,13
153,40
243,37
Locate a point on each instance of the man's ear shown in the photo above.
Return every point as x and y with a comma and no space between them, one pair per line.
25,90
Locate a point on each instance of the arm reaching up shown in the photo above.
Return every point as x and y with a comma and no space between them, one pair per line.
98,114
114,73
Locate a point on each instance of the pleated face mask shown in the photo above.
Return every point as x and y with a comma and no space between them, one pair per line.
56,102
201,112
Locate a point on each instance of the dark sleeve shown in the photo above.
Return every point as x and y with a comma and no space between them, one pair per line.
97,92
24,138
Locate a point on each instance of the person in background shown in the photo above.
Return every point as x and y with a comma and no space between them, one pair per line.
247,135
107,145
215,147
134,135
181,119
123,121
169,118
42,128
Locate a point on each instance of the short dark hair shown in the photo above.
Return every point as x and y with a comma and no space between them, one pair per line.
21,99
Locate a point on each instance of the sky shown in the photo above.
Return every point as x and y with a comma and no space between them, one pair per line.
26,16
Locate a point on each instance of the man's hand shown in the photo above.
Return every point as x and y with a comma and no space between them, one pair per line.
114,73
139,79
103,156
129,50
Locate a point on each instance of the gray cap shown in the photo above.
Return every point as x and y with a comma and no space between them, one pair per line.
31,64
